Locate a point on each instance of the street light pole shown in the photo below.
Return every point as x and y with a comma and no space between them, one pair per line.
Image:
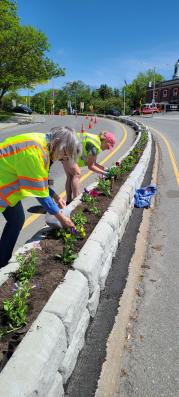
153,97
124,101
44,106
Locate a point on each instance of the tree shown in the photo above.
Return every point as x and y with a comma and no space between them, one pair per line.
136,91
23,61
77,92
104,91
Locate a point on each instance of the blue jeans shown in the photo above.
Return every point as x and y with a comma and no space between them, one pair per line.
15,219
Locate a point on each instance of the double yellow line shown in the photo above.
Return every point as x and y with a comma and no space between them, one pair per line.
171,154
34,217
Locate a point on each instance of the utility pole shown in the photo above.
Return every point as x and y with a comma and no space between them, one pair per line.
125,97
28,98
44,105
153,96
124,102
53,98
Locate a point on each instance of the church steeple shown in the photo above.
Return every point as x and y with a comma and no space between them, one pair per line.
176,70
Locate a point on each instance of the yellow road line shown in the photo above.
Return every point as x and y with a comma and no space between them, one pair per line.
34,217
171,154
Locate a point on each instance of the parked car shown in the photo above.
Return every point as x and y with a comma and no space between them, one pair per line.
22,109
150,109
136,112
172,107
114,112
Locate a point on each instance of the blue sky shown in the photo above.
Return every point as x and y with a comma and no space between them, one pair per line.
102,42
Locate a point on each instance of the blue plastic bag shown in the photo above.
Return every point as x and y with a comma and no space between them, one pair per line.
142,197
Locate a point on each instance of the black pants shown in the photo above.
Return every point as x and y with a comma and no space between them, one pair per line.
15,219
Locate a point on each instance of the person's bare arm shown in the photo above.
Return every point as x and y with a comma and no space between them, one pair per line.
93,166
64,220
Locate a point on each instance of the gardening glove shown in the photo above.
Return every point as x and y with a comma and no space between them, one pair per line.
107,173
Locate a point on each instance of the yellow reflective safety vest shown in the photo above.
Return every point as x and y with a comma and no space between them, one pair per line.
84,138
24,168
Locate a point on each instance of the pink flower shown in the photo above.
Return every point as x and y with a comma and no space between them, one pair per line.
94,193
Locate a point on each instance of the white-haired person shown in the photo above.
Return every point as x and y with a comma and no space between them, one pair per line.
92,145
24,168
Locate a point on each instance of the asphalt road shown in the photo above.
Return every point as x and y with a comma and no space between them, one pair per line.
124,138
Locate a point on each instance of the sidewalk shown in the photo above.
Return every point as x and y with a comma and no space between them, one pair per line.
7,125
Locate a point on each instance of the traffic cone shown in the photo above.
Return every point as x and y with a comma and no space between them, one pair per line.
86,117
82,130
90,125
95,121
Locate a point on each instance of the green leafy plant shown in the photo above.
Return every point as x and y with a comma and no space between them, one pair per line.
79,219
28,265
16,308
104,187
69,239
91,201
113,172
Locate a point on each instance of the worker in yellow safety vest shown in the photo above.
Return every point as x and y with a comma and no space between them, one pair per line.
92,145
24,168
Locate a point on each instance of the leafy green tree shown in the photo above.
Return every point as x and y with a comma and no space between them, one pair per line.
104,91
136,91
23,62
116,92
77,92
7,100
104,106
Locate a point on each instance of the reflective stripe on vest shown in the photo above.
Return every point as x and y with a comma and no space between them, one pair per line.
18,147
86,137
22,183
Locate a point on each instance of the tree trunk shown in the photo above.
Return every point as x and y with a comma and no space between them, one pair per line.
2,92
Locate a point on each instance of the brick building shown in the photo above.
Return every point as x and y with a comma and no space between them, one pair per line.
166,93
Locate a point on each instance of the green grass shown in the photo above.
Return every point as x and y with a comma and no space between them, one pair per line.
4,116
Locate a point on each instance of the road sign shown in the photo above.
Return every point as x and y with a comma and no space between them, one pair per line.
82,105
69,104
13,103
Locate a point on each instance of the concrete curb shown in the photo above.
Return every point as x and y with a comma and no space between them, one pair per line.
3,126
46,357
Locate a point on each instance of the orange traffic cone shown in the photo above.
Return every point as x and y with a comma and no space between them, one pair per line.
86,117
90,125
82,130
